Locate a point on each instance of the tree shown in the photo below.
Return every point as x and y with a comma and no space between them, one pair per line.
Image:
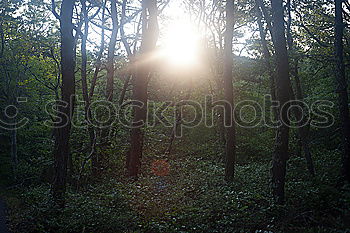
65,108
228,92
84,86
111,50
266,53
283,85
95,161
140,83
303,126
342,89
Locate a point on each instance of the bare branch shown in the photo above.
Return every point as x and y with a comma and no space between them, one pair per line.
53,10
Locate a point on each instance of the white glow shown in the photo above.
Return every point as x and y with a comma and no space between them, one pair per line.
180,43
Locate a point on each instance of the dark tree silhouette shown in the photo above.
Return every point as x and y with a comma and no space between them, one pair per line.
342,89
65,109
228,93
140,82
283,86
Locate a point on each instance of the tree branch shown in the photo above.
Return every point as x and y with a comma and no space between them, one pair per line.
53,10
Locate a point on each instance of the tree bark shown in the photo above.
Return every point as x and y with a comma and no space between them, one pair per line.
128,52
267,59
14,158
140,82
267,17
228,93
111,50
342,90
61,150
125,87
303,127
178,121
94,156
100,53
283,85
87,109
109,85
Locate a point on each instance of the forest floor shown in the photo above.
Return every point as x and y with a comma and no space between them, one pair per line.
190,196
3,226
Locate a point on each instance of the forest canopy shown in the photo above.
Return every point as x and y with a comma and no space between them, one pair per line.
174,116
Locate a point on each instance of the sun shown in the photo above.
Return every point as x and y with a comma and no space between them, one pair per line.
180,43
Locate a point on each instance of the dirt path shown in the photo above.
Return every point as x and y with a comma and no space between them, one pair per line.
3,227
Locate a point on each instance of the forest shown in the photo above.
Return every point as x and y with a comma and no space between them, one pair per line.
174,116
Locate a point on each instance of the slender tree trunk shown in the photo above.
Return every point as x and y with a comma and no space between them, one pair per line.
220,88
342,90
228,93
303,129
2,39
109,85
140,83
221,128
111,50
267,59
283,85
125,87
61,150
14,158
97,67
128,51
216,71
94,155
267,17
100,53
84,85
122,33
303,132
178,121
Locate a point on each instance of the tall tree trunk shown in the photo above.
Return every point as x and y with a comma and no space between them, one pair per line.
2,37
14,158
228,93
111,50
220,88
178,121
94,156
100,53
128,52
267,59
140,83
217,72
267,17
61,150
125,88
342,90
84,85
283,85
303,129
110,84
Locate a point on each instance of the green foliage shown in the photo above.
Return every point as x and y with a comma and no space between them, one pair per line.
96,209
192,198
